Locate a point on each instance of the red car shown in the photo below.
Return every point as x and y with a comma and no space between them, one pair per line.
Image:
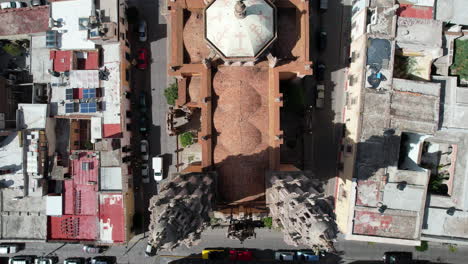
142,59
240,255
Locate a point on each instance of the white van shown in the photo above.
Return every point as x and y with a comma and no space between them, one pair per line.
158,168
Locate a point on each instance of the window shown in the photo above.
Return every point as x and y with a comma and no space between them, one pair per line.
127,75
349,148
128,56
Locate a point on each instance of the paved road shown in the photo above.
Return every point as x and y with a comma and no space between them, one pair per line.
152,81
321,147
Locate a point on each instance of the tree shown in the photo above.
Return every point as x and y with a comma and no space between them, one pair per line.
12,49
267,222
460,63
171,93
186,139
423,247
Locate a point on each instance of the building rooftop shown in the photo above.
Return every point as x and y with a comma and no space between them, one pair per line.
24,20
68,14
234,36
415,11
452,11
111,218
32,116
110,179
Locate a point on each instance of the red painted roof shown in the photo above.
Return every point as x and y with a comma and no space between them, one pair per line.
24,20
112,131
69,227
61,60
111,218
406,10
91,62
80,202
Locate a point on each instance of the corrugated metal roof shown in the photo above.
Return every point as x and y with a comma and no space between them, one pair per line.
111,179
54,205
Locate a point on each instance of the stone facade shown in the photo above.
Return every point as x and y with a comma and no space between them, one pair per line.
180,211
298,207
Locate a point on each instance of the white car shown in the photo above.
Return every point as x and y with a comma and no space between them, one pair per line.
158,168
8,248
142,31
144,173
144,149
12,4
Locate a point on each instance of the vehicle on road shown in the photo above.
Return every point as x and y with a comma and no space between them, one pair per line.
142,31
149,250
213,254
321,72
75,260
323,5
243,255
9,248
322,40
142,102
320,98
284,255
12,4
142,59
102,260
144,173
37,2
91,249
46,260
158,168
307,256
21,260
143,127
144,149
396,257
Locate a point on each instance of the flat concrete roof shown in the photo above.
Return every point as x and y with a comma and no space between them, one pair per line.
110,179
453,11
419,32
32,116
439,223
19,21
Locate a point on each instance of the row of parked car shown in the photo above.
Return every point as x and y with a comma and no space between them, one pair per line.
54,260
248,255
17,4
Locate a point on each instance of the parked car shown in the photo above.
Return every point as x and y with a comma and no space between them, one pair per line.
9,248
322,40
46,260
143,125
142,31
149,250
323,5
102,260
243,255
213,254
320,98
91,249
284,255
12,4
74,260
158,168
397,257
142,102
144,149
321,72
37,2
144,173
21,260
142,58
307,256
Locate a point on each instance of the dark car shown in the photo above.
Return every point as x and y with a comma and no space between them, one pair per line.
150,250
397,257
320,72
142,59
322,40
102,260
46,260
143,124
74,260
142,102
21,260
